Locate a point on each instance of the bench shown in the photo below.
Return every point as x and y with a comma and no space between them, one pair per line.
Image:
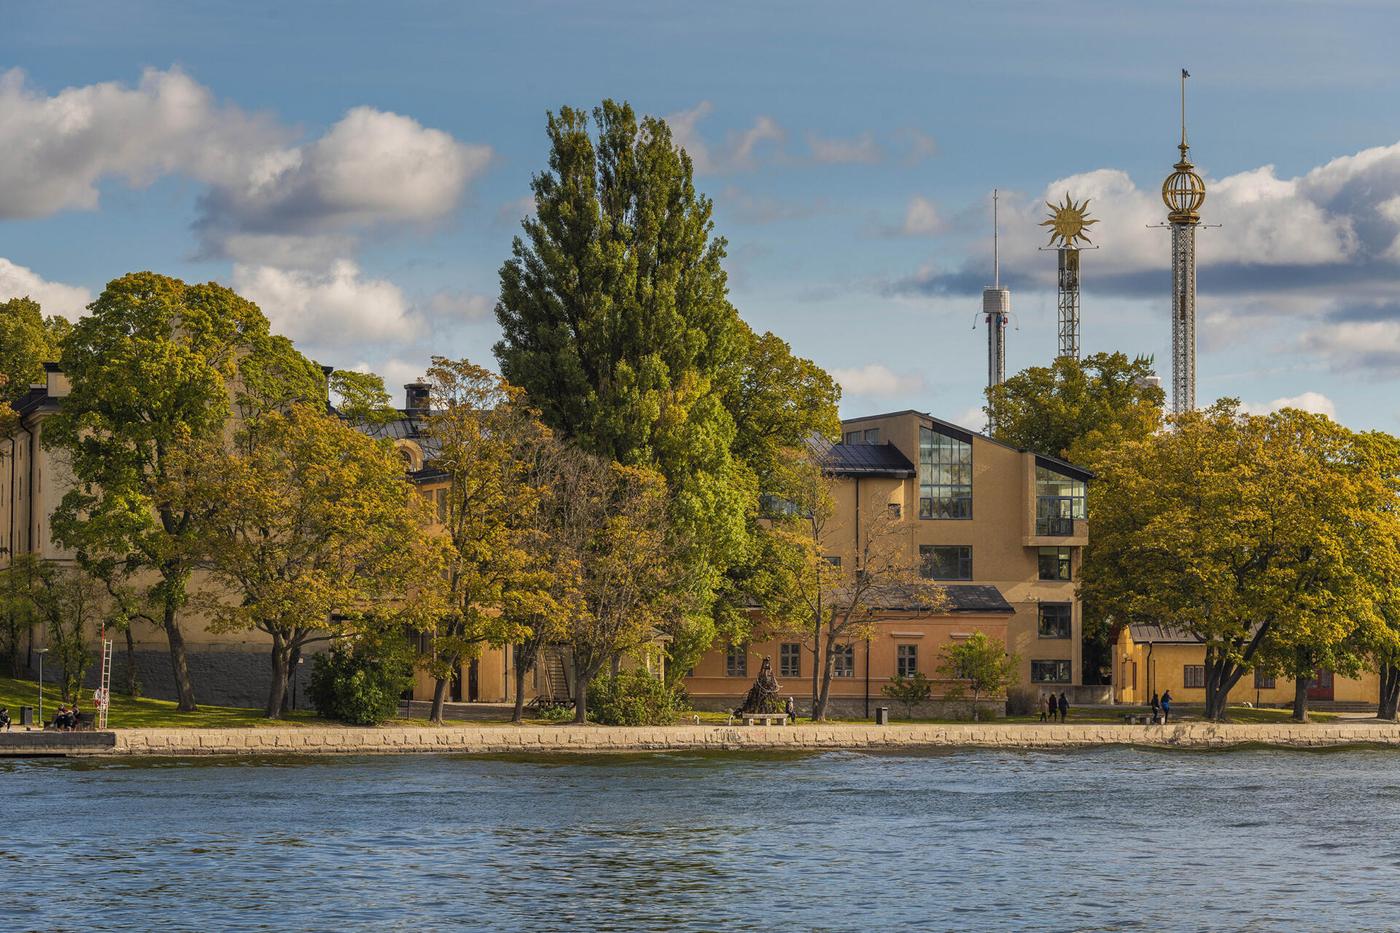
764,719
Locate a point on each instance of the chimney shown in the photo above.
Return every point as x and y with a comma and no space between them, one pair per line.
416,396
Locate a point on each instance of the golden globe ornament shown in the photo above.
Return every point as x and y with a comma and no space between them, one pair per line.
1067,223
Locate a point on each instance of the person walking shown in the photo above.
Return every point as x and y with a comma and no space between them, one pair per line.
1051,706
1064,707
1156,709
791,709
1166,706
1043,707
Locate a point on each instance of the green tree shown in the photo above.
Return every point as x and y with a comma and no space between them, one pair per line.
916,688
981,664
1245,531
1076,408
311,532
616,321
153,368
28,340
361,398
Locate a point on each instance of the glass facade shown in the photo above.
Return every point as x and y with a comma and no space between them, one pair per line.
946,561
1059,500
945,475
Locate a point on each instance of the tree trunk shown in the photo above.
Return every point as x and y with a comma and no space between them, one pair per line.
1390,691
133,683
277,692
617,664
1300,699
439,699
581,696
518,715
828,665
975,712
293,660
178,664
816,657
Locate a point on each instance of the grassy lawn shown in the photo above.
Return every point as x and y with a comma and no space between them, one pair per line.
129,713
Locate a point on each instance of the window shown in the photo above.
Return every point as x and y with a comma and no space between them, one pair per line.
845,661
1059,500
872,435
1050,672
895,509
946,561
441,496
1193,675
790,660
945,475
1261,681
906,660
1055,563
852,437
833,561
736,661
1055,620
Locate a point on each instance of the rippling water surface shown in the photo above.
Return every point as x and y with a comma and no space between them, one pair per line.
1114,839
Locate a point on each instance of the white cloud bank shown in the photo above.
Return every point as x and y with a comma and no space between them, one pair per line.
16,281
1315,402
876,381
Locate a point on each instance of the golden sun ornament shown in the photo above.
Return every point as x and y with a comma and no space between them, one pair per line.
1067,222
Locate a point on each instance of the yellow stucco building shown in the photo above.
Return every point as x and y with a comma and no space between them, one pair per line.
1002,529
1151,659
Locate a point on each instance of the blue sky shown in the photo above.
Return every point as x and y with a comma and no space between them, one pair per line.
359,170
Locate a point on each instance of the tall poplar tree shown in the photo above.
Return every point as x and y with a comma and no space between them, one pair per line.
616,321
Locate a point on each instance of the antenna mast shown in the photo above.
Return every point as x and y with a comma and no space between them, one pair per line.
996,308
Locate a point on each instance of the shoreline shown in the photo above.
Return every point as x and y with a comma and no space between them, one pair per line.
395,740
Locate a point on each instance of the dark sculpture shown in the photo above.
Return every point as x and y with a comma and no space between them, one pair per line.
763,695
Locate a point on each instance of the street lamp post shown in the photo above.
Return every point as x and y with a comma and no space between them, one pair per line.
41,652
295,671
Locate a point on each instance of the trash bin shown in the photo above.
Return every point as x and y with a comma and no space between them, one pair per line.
26,716
882,715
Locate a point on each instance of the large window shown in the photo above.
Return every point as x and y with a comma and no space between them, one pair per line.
790,660
945,475
736,661
1051,672
1055,563
906,660
1193,675
946,561
1054,620
845,661
1059,500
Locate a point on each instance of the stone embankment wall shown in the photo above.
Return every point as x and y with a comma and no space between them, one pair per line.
549,739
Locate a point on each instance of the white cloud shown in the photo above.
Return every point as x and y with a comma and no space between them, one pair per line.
371,168
1314,402
53,297
57,148
270,199
1348,346
337,308
860,149
452,305
918,144
876,381
921,218
741,150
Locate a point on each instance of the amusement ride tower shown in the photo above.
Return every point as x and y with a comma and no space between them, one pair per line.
996,307
1184,193
1067,223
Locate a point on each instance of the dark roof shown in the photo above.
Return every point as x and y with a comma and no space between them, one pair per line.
863,459
976,597
33,400
959,431
1161,635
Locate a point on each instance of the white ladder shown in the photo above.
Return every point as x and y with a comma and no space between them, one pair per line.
103,698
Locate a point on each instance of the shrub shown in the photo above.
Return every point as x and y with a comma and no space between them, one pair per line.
633,698
361,684
1022,702
915,688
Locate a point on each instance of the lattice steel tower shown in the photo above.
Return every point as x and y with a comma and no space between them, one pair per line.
996,307
1068,222
1183,192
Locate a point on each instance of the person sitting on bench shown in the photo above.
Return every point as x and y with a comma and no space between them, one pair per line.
5,718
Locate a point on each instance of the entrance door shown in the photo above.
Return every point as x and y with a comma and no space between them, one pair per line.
1320,687
474,681
457,685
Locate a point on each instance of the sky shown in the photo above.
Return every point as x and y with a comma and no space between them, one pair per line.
359,170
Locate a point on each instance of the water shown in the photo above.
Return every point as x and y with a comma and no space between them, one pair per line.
1112,839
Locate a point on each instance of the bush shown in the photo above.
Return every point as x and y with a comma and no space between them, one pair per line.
909,690
361,684
1022,702
633,698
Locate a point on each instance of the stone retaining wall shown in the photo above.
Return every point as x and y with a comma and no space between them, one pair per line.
351,741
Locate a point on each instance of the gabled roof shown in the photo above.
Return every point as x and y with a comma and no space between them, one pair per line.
956,430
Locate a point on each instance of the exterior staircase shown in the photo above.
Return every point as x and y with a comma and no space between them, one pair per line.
554,679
